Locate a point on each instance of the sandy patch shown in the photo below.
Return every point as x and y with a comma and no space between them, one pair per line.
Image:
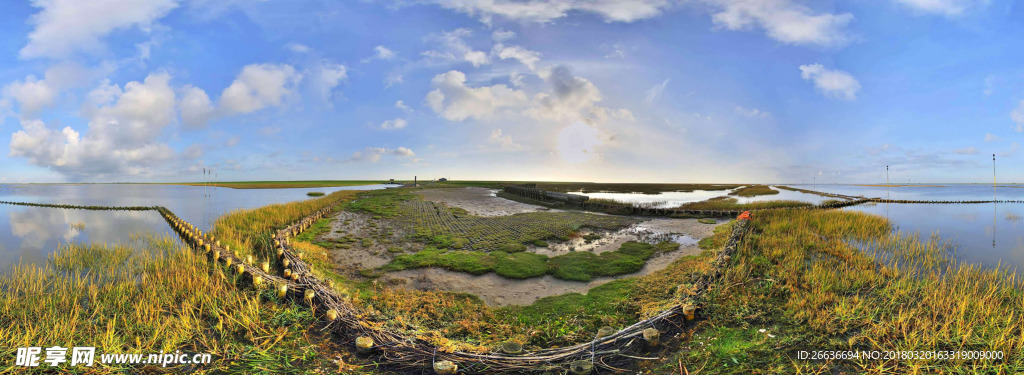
478,201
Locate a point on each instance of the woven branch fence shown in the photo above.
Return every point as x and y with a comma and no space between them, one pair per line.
404,353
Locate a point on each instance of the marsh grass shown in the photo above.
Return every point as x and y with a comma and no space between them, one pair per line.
152,295
576,266
835,280
248,231
315,193
726,203
551,321
754,190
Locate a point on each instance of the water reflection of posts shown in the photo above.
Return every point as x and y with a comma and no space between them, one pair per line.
994,198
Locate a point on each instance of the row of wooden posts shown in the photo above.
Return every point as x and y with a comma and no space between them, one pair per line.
294,272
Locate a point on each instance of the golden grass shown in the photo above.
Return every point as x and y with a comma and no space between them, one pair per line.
800,276
248,231
148,296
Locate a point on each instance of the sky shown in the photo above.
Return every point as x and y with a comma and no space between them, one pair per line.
570,90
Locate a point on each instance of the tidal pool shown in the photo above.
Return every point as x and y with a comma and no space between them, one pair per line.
29,234
673,199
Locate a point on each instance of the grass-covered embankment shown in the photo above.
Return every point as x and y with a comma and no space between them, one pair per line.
727,203
282,184
799,277
754,190
150,296
445,227
248,231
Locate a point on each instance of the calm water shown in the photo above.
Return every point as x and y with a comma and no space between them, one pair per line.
983,233
677,198
30,233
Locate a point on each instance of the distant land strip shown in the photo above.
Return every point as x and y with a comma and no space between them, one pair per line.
281,184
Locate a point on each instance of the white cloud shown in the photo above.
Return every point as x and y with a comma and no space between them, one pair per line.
232,142
572,98
63,27
331,75
990,81
655,92
259,86
401,105
124,135
943,7
32,94
392,79
453,100
989,137
1017,115
502,35
196,107
503,141
298,48
452,48
550,10
525,56
615,51
397,123
752,112
516,79
373,154
966,151
833,83
784,20
383,53
477,58
380,53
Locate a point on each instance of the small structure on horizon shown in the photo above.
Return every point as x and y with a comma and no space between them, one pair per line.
442,179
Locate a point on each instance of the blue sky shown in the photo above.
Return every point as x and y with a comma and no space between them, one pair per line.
583,90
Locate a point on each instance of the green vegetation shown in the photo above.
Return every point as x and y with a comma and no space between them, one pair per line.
576,266
754,190
551,321
836,280
726,203
443,227
248,231
591,187
282,184
148,296
315,193
707,221
629,258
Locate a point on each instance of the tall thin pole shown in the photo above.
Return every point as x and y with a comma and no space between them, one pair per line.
994,198
994,177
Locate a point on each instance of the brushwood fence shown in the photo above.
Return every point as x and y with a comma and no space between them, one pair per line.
409,353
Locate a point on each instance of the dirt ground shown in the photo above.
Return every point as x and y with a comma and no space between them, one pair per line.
478,201
493,289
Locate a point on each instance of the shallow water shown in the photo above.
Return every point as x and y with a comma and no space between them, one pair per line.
674,199
988,234
29,234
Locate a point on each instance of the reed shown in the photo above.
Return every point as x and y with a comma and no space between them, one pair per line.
151,295
834,280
